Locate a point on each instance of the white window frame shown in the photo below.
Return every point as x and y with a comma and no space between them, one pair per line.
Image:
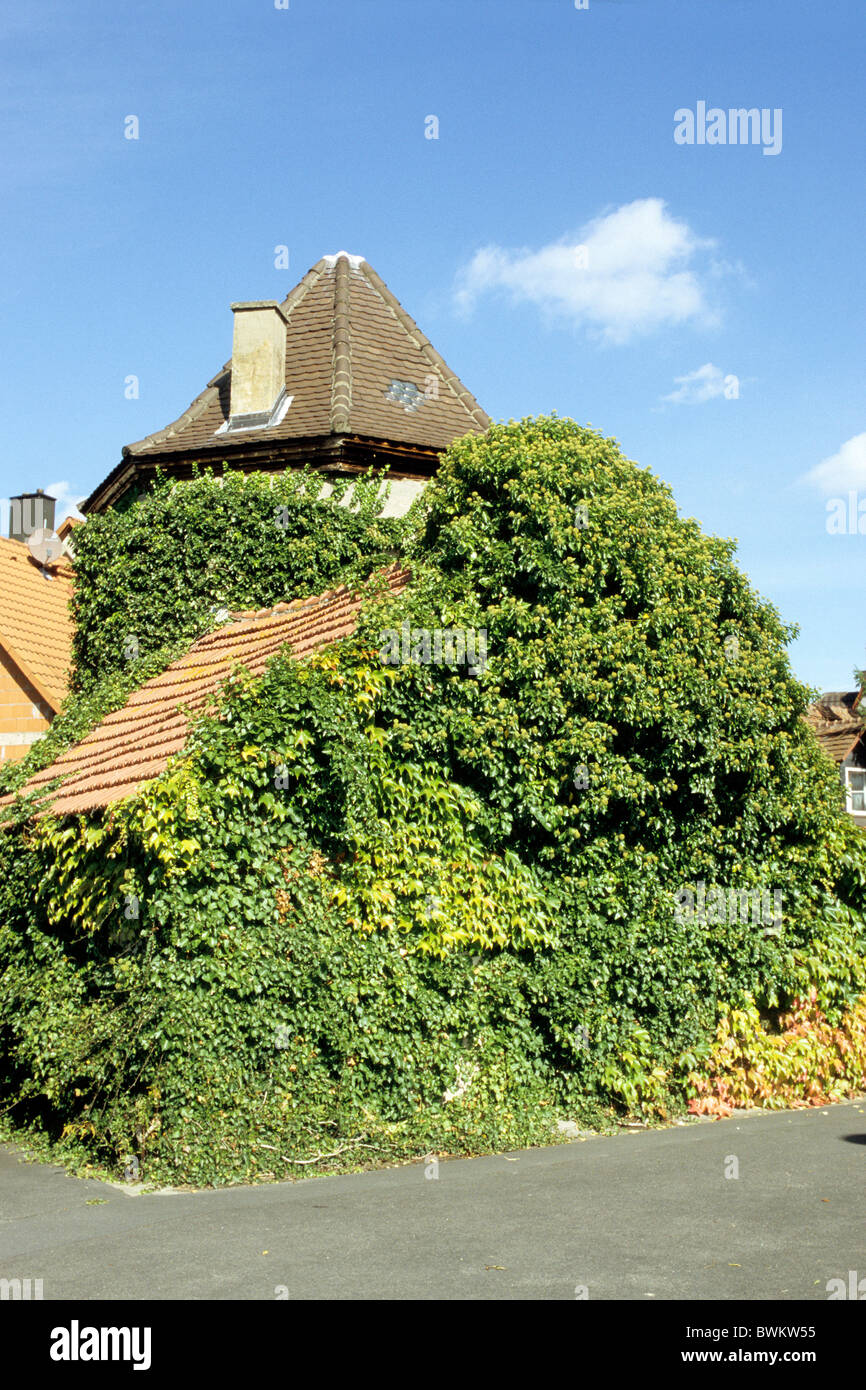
850,792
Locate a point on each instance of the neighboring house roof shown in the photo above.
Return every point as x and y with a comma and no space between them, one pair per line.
35,626
133,745
67,526
348,342
835,723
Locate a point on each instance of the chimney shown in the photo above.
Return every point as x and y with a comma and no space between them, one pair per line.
258,362
29,512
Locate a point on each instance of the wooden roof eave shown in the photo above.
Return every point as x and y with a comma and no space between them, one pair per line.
348,453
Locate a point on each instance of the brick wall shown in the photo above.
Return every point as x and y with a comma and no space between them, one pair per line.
24,715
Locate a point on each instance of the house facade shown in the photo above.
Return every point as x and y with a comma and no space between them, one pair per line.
35,625
836,722
337,376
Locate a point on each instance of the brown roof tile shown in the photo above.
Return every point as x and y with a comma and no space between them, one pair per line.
133,745
835,723
35,626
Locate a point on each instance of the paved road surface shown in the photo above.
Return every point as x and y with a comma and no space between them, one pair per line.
640,1215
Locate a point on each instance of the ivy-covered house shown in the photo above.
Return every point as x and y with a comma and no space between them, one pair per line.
837,723
337,376
402,909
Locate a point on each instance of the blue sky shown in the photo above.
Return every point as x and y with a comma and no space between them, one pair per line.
703,303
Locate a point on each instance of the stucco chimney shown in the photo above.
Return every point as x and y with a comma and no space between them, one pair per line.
258,361
29,512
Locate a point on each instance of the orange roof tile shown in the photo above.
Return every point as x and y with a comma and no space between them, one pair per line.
132,746
35,625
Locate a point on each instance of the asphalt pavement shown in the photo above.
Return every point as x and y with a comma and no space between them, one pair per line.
759,1206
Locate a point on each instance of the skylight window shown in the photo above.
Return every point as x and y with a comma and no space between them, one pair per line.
264,420
405,393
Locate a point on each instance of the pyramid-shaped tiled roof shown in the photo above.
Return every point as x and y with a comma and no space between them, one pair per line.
35,625
357,367
133,745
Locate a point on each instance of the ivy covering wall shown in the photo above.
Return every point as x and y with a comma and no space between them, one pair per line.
379,910
184,552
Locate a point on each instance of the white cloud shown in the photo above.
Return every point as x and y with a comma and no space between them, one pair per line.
705,384
628,272
67,501
843,470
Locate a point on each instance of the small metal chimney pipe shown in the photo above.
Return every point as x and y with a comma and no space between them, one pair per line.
29,512
258,359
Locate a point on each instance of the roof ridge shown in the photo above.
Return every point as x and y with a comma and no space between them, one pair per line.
341,369
246,615
304,285
239,615
425,347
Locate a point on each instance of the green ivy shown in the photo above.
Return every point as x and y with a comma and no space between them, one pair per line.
375,912
162,569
